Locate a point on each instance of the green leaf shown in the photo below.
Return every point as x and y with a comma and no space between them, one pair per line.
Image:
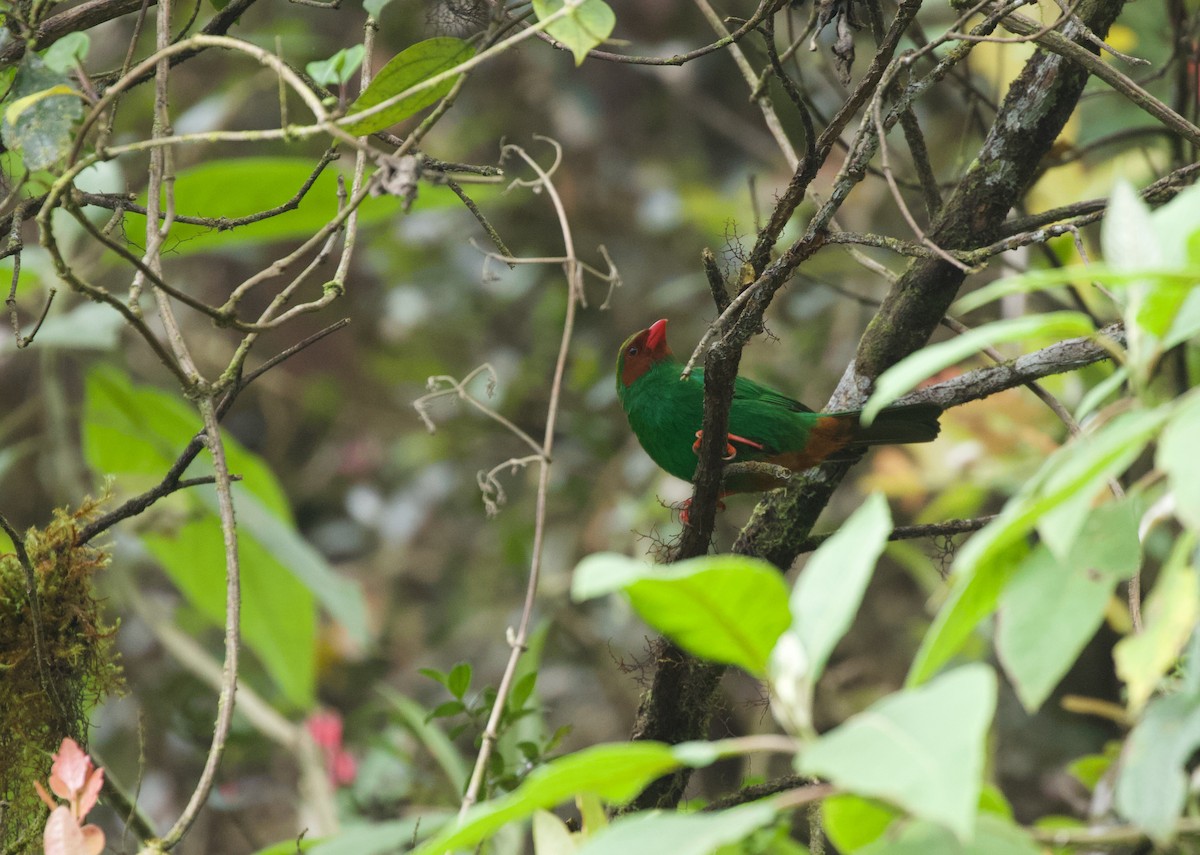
994,835
339,68
1168,621
68,52
906,374
551,835
852,822
40,118
443,751
1051,607
989,559
920,749
341,597
823,604
1177,457
375,7
381,838
226,190
1152,786
581,29
616,773
406,73
136,434
459,679
680,833
278,614
88,326
974,596
724,608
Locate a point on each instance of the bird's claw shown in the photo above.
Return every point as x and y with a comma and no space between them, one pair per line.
730,451
685,516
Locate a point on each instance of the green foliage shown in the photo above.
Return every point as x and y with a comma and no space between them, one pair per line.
338,69
921,749
1051,607
700,604
585,26
679,833
135,434
409,71
226,190
823,603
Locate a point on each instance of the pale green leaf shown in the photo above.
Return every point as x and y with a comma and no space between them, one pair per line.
1178,458
1051,607
994,835
551,835
679,833
580,29
408,74
338,69
912,370
725,608
1152,785
1169,617
919,749
68,52
374,8
823,604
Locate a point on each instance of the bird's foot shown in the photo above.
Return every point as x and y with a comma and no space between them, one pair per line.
730,451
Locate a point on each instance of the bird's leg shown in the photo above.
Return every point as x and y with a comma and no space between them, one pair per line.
687,506
730,451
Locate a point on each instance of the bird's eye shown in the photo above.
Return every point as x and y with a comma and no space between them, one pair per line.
632,350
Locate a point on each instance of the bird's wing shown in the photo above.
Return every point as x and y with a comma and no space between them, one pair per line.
748,390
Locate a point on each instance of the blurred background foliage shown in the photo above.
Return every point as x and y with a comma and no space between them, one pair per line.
658,164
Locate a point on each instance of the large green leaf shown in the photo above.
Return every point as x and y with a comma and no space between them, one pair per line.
1051,607
725,608
852,822
407,70
823,604
227,189
988,560
920,749
680,833
278,621
135,434
616,773
908,372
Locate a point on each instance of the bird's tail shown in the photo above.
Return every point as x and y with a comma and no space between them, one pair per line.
900,425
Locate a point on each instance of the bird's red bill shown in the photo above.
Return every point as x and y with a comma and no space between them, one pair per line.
657,334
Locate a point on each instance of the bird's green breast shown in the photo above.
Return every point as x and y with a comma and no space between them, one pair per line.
665,413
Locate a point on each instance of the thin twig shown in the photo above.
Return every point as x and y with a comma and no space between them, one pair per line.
233,601
518,640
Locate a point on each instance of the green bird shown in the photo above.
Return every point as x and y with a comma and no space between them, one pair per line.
665,414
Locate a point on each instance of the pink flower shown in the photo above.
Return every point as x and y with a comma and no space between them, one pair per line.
75,778
325,728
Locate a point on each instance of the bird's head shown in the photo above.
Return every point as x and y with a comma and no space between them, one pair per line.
641,351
